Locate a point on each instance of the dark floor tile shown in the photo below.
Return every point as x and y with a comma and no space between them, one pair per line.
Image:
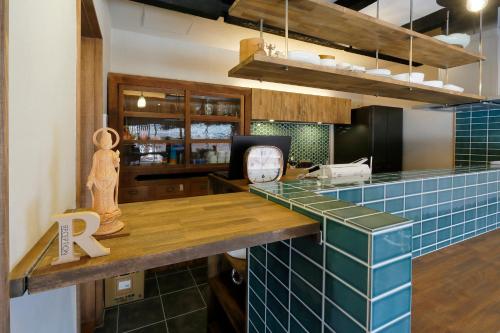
139,314
160,327
195,322
166,270
204,288
149,274
151,288
200,274
181,302
110,321
175,281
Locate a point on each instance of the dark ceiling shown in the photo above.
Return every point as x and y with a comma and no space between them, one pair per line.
434,23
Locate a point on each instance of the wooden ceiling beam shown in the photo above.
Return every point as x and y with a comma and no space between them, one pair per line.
355,4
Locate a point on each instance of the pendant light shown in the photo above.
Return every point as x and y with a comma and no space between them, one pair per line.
141,102
476,5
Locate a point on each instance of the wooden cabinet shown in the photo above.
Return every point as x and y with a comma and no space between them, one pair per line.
173,133
284,106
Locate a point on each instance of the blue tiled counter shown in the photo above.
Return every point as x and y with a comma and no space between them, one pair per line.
357,278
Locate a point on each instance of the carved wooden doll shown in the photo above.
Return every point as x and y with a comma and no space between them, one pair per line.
103,182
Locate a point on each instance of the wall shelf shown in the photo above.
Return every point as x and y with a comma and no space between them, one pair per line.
326,20
272,69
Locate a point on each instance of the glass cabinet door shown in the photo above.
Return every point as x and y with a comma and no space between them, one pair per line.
154,101
201,105
214,120
153,128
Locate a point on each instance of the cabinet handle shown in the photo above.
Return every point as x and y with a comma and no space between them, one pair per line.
134,191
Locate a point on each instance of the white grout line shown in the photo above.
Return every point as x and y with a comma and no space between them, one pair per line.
346,314
161,301
305,305
197,288
272,314
392,291
392,322
187,313
347,255
390,261
118,316
347,284
141,327
298,322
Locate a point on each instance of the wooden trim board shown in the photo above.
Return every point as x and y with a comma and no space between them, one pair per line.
272,69
326,20
171,231
4,169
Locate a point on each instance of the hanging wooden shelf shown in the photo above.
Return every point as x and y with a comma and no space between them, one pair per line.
272,69
328,21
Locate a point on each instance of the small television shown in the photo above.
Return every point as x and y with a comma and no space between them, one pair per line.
240,144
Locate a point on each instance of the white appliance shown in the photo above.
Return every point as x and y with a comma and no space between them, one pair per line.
354,169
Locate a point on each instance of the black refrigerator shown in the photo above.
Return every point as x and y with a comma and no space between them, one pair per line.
374,131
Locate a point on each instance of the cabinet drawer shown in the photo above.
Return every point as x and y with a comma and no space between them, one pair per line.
198,187
170,190
134,194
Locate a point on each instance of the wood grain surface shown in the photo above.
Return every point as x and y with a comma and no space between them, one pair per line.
326,20
457,289
272,69
172,231
285,106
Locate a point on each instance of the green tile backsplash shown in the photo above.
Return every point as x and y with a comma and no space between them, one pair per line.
310,142
477,134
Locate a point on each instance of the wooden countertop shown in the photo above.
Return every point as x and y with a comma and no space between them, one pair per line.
456,289
170,231
242,184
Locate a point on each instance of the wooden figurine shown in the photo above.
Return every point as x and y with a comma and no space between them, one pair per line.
103,182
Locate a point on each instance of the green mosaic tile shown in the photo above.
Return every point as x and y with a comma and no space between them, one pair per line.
306,294
347,239
310,142
313,215
334,204
258,192
351,212
317,187
378,222
284,203
347,269
296,194
346,298
311,200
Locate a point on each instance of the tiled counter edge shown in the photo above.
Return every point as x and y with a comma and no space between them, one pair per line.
357,280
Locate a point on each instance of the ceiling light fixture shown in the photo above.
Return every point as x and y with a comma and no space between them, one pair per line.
141,102
476,5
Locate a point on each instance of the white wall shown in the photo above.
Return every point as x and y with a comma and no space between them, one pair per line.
468,76
42,98
155,42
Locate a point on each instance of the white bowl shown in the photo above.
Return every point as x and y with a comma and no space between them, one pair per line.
356,68
239,254
453,87
328,62
304,56
379,72
462,40
435,83
345,66
416,77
